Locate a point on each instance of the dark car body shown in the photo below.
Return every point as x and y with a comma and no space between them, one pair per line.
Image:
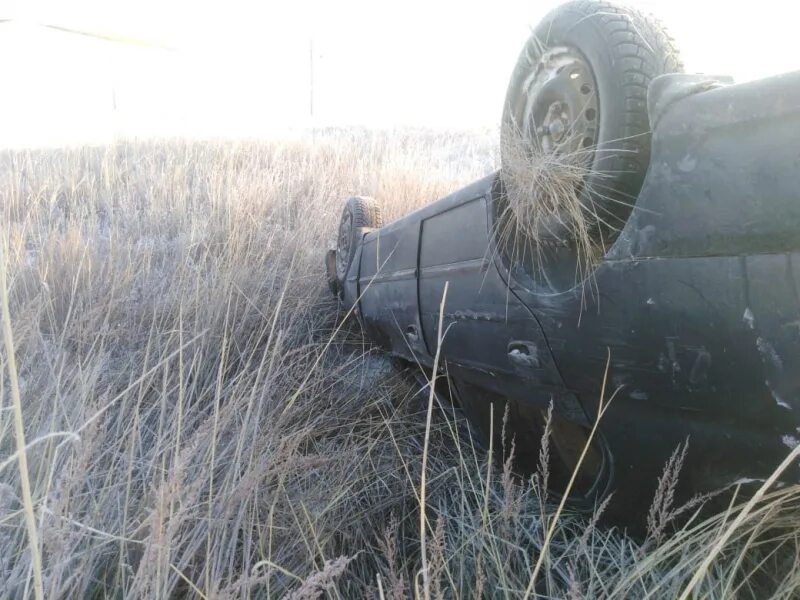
697,301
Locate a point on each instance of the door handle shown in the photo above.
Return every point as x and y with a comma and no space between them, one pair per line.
523,354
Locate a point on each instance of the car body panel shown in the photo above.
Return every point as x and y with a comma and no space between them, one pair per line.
696,305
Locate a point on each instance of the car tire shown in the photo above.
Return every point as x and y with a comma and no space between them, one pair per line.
617,51
359,212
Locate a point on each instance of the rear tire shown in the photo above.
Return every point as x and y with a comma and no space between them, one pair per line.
359,212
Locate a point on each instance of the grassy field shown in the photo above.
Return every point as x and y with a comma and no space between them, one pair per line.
200,423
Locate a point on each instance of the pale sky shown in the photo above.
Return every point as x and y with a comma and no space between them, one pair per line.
238,68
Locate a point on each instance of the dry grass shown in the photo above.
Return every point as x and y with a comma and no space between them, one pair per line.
198,424
549,204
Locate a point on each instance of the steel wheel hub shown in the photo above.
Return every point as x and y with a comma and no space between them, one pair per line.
561,111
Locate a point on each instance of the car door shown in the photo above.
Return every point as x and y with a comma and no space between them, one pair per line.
490,336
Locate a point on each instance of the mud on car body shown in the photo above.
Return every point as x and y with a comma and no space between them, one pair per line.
694,305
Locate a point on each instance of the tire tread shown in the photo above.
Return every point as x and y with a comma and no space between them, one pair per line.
640,49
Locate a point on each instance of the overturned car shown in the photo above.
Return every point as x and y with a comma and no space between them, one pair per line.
687,301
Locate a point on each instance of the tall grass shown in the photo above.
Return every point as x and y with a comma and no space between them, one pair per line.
548,204
198,423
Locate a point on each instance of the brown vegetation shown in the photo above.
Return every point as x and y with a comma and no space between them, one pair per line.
198,422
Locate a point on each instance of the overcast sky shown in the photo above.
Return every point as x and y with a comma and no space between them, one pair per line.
237,68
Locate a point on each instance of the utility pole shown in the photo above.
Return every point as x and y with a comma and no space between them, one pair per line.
311,77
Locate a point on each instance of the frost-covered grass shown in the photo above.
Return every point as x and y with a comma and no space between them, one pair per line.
200,423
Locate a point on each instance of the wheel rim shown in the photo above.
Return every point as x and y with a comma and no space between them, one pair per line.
343,244
560,112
